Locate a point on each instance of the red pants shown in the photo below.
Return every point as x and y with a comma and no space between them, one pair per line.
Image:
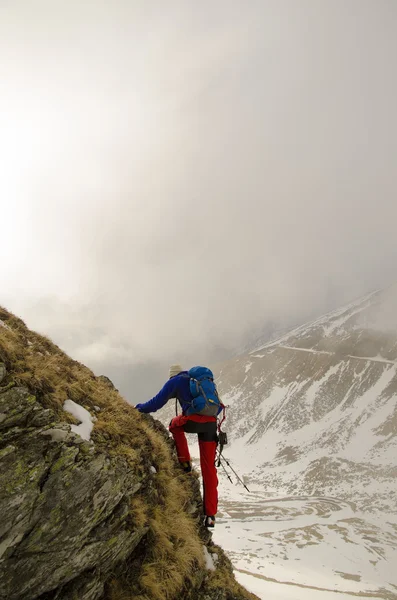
205,427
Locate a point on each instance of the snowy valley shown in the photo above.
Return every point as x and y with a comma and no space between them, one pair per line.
312,424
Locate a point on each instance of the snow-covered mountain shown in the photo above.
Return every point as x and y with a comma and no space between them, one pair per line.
312,426
316,410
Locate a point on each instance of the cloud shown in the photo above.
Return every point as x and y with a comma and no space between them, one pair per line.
173,178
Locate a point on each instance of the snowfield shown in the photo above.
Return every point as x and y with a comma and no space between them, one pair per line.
306,547
312,428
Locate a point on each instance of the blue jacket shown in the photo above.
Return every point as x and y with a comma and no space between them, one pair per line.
176,387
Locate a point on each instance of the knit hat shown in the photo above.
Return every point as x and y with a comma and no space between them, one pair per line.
175,370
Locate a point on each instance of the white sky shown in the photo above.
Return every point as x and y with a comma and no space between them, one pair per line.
175,174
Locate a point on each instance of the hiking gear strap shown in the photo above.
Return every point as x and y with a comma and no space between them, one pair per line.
222,438
223,417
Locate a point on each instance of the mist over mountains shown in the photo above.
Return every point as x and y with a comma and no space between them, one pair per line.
182,175
312,424
312,428
316,410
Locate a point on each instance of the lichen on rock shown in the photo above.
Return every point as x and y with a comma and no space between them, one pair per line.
63,511
93,520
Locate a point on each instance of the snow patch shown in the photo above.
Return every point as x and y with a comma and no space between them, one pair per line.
82,415
209,559
377,358
306,350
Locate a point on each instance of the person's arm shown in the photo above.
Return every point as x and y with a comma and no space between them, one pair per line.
165,394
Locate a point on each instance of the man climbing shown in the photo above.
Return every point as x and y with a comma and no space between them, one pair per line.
196,393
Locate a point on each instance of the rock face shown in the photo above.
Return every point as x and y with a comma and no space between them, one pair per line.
107,518
48,477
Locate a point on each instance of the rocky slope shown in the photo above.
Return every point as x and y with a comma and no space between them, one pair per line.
315,412
101,514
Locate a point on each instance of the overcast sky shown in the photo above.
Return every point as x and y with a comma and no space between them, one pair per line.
176,174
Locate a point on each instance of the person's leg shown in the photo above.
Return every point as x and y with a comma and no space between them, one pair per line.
206,429
191,424
176,428
210,477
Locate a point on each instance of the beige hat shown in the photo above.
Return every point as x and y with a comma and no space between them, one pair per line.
175,370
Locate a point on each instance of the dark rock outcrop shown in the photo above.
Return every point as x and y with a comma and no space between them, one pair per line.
109,518
64,506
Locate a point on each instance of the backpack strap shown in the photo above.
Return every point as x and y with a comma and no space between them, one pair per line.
223,417
186,376
200,387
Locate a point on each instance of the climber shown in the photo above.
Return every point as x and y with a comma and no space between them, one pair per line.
181,385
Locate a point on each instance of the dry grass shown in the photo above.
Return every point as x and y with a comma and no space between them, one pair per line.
173,551
139,511
33,360
223,578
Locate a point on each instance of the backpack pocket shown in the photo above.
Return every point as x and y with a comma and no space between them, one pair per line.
204,406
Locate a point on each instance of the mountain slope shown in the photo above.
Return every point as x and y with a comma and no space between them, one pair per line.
315,411
91,491
312,425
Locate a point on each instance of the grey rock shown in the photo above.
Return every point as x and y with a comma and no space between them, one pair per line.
63,506
66,528
16,403
57,434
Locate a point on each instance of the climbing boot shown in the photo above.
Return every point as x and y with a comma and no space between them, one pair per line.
209,521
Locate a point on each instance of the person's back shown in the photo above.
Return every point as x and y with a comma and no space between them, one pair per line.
178,386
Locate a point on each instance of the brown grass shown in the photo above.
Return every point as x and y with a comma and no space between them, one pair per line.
223,579
173,549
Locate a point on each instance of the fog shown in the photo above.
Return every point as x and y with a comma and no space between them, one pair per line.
175,176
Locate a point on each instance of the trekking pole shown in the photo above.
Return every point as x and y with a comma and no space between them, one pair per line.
231,468
218,463
223,467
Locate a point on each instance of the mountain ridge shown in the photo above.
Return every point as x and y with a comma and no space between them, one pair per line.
318,400
90,489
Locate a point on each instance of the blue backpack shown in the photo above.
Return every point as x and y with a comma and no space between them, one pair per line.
205,395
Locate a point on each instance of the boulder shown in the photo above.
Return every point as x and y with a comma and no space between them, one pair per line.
64,506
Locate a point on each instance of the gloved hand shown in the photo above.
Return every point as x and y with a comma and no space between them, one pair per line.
138,407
